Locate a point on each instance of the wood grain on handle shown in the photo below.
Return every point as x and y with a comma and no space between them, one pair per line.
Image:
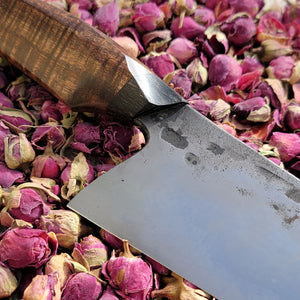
75,62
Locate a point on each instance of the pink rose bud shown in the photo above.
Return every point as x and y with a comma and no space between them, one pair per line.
204,16
148,17
82,286
224,71
292,116
272,49
265,90
18,89
157,40
37,95
103,168
131,284
8,282
189,29
288,145
8,176
48,165
16,119
125,16
91,250
197,72
18,151
176,287
48,132
25,204
220,111
107,18
183,8
160,63
65,224
180,82
60,263
249,6
87,133
281,68
216,43
133,34
50,110
110,239
243,109
38,246
239,31
5,101
183,50
43,287
250,64
109,294
128,44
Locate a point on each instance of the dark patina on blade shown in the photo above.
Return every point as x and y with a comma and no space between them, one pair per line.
205,205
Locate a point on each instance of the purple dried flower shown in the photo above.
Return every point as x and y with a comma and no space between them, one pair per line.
239,30
82,14
109,294
43,287
110,239
129,275
190,29
292,116
48,132
50,110
8,176
157,267
133,34
160,63
180,82
8,282
183,50
103,168
281,67
87,133
157,40
216,41
38,246
18,89
224,71
82,286
249,6
107,19
250,64
204,16
5,101
148,17
288,145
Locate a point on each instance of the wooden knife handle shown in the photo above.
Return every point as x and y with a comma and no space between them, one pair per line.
74,61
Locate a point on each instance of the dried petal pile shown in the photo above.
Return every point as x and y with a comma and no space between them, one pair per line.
236,62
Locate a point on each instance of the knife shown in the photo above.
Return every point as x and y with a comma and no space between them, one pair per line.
196,199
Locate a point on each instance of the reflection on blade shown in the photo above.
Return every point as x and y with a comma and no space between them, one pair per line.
206,206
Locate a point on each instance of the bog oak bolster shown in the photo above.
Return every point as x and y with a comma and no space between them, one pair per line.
75,62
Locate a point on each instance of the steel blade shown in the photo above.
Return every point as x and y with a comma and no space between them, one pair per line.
205,205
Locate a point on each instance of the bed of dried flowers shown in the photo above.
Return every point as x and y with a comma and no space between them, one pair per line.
235,61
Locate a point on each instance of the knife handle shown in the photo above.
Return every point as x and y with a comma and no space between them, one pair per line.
74,61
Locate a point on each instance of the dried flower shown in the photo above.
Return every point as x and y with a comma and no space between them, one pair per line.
224,71
190,29
8,176
183,50
129,275
5,101
251,7
204,16
38,246
107,19
148,17
281,67
110,239
157,40
292,116
197,72
8,282
82,286
128,44
132,33
18,151
108,294
182,8
50,110
43,287
272,49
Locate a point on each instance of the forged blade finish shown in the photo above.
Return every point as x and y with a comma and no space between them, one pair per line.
205,205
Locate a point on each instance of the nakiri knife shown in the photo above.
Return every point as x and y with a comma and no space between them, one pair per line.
196,199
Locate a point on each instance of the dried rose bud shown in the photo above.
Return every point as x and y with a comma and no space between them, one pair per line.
175,288
8,282
265,90
18,151
18,89
197,72
202,106
133,34
43,287
25,204
224,71
220,111
109,294
125,16
102,168
251,64
87,133
288,145
48,132
76,176
130,276
189,29
5,101
249,6
183,50
216,41
110,239
82,14
60,263
160,63
48,165
183,8
38,246
292,116
65,224
107,18
91,250
204,16
157,40
8,176
180,82
239,30
128,44
272,49
82,286
281,67
148,17
16,119
50,110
